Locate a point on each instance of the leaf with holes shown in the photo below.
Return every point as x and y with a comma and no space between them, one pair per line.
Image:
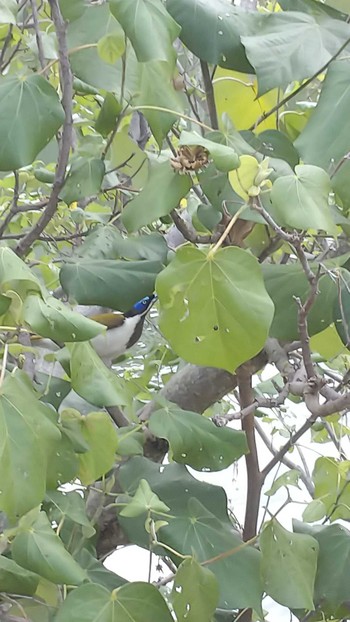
214,308
195,592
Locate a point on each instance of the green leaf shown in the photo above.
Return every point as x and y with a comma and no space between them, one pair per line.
285,554
224,157
283,283
8,13
326,138
134,602
87,30
291,46
314,511
333,567
28,437
212,30
97,572
100,434
302,200
114,284
129,159
341,311
138,17
162,193
195,592
199,526
197,441
289,478
156,88
144,500
108,114
84,179
274,144
39,549
222,329
71,505
25,126
111,47
331,487
72,10
15,579
15,274
52,319
130,442
92,380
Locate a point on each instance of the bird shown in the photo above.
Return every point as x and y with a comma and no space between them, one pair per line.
123,329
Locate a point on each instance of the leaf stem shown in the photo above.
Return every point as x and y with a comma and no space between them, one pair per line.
3,363
234,219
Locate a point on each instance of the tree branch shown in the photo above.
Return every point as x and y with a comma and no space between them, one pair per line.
38,37
66,79
208,85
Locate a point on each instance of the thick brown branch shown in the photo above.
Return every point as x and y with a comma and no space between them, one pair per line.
66,79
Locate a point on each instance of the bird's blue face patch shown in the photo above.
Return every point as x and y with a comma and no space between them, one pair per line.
142,305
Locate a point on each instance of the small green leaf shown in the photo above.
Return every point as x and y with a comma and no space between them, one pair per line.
15,579
285,554
301,200
52,319
106,119
25,126
111,47
92,380
314,511
130,442
28,438
144,500
289,478
225,328
195,592
71,505
84,179
39,549
100,434
196,441
134,602
331,486
224,157
8,13
15,274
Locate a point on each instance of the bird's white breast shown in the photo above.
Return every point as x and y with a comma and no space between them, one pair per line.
114,341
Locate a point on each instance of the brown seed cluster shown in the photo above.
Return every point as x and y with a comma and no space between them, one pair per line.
190,158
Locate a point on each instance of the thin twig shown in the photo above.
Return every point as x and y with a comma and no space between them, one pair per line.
189,233
39,41
3,363
66,79
287,446
209,91
13,208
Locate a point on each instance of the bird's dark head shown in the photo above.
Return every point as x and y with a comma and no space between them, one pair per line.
142,306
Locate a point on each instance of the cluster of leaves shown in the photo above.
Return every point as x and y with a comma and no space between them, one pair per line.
124,124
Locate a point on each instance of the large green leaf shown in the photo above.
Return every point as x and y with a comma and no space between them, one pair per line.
290,556
28,436
312,7
94,23
115,284
16,275
198,526
92,380
162,193
197,441
212,30
331,487
326,138
138,17
39,549
8,12
333,567
302,200
156,88
224,157
292,46
284,283
214,309
83,180
25,125
100,433
15,579
135,602
52,319
105,242
195,592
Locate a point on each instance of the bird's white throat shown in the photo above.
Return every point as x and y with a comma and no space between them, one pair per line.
114,341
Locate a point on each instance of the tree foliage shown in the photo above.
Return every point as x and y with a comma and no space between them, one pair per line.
201,151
